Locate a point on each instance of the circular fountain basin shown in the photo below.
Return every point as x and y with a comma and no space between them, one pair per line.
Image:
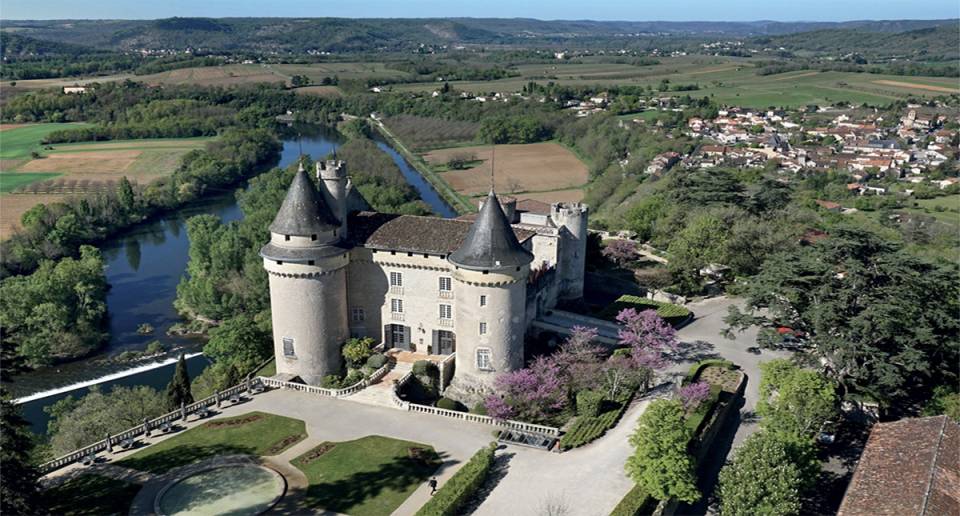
235,489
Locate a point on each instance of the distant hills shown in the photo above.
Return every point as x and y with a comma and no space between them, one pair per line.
351,35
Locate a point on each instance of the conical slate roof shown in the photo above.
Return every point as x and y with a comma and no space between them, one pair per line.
303,212
491,242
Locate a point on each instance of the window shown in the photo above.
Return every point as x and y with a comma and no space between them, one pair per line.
483,300
313,237
286,237
447,341
483,359
446,312
396,279
357,315
398,334
483,328
445,284
288,347
396,306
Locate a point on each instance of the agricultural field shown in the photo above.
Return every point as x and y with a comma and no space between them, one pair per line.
728,80
323,91
539,169
63,170
423,133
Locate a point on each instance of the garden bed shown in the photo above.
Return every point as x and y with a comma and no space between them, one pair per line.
585,430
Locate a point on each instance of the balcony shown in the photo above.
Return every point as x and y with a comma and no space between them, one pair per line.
396,290
445,323
445,294
396,316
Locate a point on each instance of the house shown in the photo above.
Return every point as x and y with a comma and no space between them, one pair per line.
829,206
427,285
74,89
776,143
662,162
908,467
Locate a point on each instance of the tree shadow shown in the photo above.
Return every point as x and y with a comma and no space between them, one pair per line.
182,455
348,494
694,352
708,472
501,466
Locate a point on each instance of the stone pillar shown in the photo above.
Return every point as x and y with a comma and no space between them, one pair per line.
109,444
249,385
183,410
216,396
146,427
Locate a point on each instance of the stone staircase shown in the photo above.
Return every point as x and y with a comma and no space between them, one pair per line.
381,393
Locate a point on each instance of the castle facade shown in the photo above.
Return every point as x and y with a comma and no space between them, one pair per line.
470,286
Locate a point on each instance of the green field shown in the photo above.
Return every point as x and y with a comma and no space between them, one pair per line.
366,477
728,80
10,181
19,142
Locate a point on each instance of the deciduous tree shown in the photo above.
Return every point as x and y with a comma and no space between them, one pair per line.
660,463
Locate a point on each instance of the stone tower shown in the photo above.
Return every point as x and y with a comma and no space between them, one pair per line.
336,187
490,292
306,265
571,218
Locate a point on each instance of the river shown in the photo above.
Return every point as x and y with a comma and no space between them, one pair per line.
143,267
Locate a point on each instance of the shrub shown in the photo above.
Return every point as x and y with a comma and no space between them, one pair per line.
589,403
450,498
376,361
479,408
424,368
449,404
356,351
331,381
353,377
635,503
154,348
585,429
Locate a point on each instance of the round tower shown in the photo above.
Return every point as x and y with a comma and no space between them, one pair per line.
572,218
333,174
306,265
490,270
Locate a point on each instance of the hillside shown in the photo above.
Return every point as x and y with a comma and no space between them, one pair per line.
353,35
939,43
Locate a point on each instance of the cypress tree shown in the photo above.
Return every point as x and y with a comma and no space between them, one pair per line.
178,390
18,483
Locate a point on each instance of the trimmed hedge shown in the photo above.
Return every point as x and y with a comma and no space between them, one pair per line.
637,502
449,404
585,429
673,314
457,491
376,361
589,403
696,420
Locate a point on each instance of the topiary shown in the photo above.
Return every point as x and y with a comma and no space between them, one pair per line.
589,403
449,404
377,361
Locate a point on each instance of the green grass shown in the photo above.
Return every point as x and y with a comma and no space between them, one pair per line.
10,181
267,435
91,495
19,142
370,476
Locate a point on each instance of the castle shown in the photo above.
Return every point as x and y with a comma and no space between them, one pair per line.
470,286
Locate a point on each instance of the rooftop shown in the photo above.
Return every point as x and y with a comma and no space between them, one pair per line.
491,242
303,212
908,467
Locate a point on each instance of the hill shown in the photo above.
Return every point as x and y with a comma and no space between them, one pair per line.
299,35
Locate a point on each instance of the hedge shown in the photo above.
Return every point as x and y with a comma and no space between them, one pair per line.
635,503
450,498
449,404
589,403
673,314
695,420
585,430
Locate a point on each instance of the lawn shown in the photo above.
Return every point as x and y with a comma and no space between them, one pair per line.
19,142
10,181
91,495
370,476
255,433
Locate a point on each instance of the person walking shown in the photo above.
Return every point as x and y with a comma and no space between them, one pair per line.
433,485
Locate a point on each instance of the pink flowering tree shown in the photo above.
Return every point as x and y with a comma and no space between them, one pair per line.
693,395
648,336
578,359
620,251
531,394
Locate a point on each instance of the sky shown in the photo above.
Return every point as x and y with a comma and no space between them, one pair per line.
633,10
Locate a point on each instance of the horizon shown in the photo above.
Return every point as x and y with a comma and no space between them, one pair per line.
738,11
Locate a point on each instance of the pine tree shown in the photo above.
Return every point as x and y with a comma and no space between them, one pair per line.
18,483
178,390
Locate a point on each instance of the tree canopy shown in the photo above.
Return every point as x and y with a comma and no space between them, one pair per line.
660,463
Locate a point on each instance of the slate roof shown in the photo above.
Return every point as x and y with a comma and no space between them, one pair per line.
303,212
908,467
412,233
491,242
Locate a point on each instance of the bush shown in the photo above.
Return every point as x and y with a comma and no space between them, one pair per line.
589,403
377,361
449,404
424,368
635,503
331,381
450,498
585,429
353,377
357,351
154,348
480,409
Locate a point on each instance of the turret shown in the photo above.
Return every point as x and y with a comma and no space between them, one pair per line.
490,270
571,218
336,187
306,264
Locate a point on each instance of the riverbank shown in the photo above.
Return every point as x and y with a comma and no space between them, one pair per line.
452,198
